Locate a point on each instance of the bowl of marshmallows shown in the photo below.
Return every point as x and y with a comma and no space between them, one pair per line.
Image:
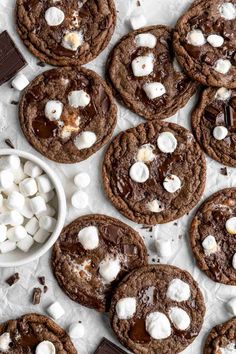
32,207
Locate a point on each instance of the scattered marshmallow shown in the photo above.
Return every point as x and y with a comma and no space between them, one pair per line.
41,236
25,244
7,246
196,38
145,153
163,248
230,225
172,183
223,94
6,179
15,200
223,66
53,110
54,16
76,330
44,184
3,233
10,162
5,341
228,10
210,245
143,65
79,200
155,206
147,40
215,40
16,233
109,269
78,99
85,140
73,40
28,187
89,238
137,21
178,290
234,261
139,172
55,310
47,223
154,90
82,180
179,318
220,132
167,142
32,226
158,325
32,170
231,306
20,82
126,308
38,205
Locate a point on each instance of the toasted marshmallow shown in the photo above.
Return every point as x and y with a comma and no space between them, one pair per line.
172,183
154,90
139,172
158,325
179,318
147,40
145,153
209,245
88,237
155,206
54,16
178,290
223,66
215,40
73,40
143,65
220,132
53,110
109,269
223,94
20,82
167,142
230,225
85,140
228,10
196,38
126,308
76,330
78,99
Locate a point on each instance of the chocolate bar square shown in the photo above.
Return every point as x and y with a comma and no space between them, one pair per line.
107,347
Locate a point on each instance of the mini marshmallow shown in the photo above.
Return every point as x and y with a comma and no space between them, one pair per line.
79,200
16,233
76,330
85,140
55,310
167,142
14,188
78,99
230,226
223,66
13,218
176,66
20,82
50,211
88,237
54,16
41,236
231,306
25,244
11,162
1,200
143,65
3,233
215,40
178,290
139,172
154,90
179,318
6,179
158,325
26,211
155,206
163,248
223,94
53,110
228,10
7,246
38,205
82,180
229,349
5,218
19,175
47,196
172,183
137,21
196,38
32,226
126,308
5,341
145,153
220,132
47,223
73,40
44,184
45,347
28,187
109,269
147,40
210,245
32,170
15,200
234,261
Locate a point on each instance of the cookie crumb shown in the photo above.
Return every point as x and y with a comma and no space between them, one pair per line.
37,292
13,279
45,289
42,280
15,103
224,171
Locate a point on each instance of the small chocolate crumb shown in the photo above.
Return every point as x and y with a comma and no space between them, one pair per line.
9,143
15,103
42,280
13,279
180,237
41,63
224,171
138,3
175,223
45,289
37,292
153,260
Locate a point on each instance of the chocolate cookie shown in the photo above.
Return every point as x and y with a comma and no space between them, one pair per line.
154,173
212,235
34,334
157,309
69,32
204,42
214,123
221,339
145,76
67,114
92,255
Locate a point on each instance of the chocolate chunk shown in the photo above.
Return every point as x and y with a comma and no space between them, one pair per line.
107,347
41,64
13,279
42,280
224,171
11,60
15,103
209,58
37,292
9,143
45,289
211,113
230,116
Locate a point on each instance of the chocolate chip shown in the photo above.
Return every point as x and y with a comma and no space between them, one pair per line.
9,143
13,279
42,64
14,103
224,171
37,292
107,347
42,280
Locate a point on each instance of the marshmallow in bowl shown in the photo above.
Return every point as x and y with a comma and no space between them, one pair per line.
11,162
41,236
7,246
178,290
154,90
54,16
47,223
143,65
13,218
15,200
76,330
137,21
38,204
28,187
5,341
44,184
109,269
45,347
55,310
88,237
85,140
32,226
16,233
25,244
147,40
32,170
6,179
20,82
179,318
158,325
53,110
78,99
3,233
126,308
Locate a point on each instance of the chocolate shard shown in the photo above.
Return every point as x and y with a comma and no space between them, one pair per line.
9,143
107,347
42,280
11,60
37,292
13,279
224,171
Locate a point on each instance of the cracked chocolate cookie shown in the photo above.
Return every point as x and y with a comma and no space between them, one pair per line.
145,75
34,334
204,42
214,123
92,255
154,173
64,33
221,339
67,114
212,236
157,309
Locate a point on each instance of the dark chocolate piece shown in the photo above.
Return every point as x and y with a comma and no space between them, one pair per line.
9,143
37,292
107,347
15,103
13,279
42,280
224,171
45,289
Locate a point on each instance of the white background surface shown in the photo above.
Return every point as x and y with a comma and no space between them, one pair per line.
15,301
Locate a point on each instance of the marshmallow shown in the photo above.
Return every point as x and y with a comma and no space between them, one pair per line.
222,66
145,153
53,110
228,10
78,99
109,269
32,170
54,16
15,200
5,341
143,65
50,211
11,162
220,132
7,246
25,244
163,248
126,308
139,172
223,94
155,206
16,233
215,40
41,236
47,196
196,38
55,310
158,325
210,245
19,175
234,261
85,140
177,68
145,40
76,330
231,306
179,318
38,205
172,183
82,180
47,223
137,21
73,40
6,179
167,142
79,200
45,347
20,82
3,233
1,200
28,187
26,211
13,218
229,349
88,237
13,188
230,226
32,226
154,90
178,290
44,184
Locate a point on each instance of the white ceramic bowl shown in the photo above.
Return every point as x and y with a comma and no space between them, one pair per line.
17,257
